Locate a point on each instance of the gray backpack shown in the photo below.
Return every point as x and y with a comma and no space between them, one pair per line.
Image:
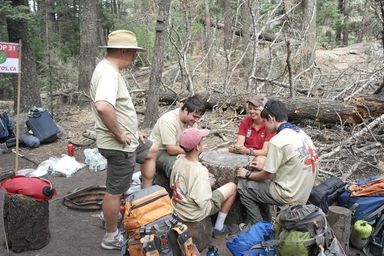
303,230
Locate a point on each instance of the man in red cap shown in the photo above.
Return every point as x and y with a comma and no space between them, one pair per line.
193,198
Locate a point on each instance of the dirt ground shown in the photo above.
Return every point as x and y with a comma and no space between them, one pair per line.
75,232
78,233
72,232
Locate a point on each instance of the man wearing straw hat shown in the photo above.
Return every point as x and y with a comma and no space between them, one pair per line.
117,135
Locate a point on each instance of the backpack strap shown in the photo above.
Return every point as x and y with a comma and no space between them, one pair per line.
377,211
149,246
184,239
269,243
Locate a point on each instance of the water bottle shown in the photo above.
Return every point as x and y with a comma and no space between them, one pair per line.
70,149
212,251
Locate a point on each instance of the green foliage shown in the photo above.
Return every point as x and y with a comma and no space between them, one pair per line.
328,14
17,13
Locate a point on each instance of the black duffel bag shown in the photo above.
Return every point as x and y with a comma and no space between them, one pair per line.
327,192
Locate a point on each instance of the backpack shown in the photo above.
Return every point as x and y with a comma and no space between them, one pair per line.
41,124
326,193
376,246
366,201
5,127
244,243
151,227
304,230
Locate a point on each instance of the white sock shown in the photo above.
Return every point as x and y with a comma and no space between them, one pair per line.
220,220
112,235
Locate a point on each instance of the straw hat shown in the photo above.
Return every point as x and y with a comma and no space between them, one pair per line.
123,39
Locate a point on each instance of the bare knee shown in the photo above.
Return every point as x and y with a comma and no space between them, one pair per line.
152,153
229,190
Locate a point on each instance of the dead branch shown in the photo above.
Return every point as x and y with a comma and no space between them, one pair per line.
369,127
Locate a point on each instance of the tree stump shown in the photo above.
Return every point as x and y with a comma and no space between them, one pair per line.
339,219
224,165
26,223
201,233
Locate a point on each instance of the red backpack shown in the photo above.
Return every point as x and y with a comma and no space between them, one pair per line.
35,187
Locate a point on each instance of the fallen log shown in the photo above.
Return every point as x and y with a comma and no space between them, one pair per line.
299,108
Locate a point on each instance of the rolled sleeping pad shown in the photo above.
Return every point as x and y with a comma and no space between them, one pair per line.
29,141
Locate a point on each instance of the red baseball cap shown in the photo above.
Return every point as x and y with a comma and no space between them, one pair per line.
192,137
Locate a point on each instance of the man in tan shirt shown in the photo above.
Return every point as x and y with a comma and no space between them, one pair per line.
168,128
117,135
289,171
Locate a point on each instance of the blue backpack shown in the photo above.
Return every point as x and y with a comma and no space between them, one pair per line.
367,208
257,234
5,127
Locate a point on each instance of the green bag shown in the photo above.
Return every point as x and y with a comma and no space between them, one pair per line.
293,243
301,230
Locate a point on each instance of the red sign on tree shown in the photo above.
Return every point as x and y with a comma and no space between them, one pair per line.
9,57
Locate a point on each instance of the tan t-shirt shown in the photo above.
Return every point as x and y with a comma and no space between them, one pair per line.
290,160
108,85
167,129
191,190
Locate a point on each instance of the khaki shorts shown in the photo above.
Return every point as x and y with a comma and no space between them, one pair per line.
216,201
121,165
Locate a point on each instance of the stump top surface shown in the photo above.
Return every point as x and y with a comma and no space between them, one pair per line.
339,210
217,158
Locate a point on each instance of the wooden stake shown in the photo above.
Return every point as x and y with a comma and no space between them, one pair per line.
18,113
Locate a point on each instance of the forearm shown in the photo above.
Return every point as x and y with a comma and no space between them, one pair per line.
260,176
174,150
108,115
259,152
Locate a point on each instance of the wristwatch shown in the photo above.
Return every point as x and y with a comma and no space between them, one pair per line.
250,152
248,173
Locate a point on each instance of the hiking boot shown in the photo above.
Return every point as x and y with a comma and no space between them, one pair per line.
226,231
112,244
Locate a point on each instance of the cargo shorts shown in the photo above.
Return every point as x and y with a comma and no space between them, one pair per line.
121,166
216,201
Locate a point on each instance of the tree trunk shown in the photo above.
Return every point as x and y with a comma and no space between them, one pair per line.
246,37
50,16
307,52
29,91
208,40
88,41
152,110
346,21
339,28
227,25
382,25
320,110
100,31
26,223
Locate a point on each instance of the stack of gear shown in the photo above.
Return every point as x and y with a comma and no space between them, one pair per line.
151,227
